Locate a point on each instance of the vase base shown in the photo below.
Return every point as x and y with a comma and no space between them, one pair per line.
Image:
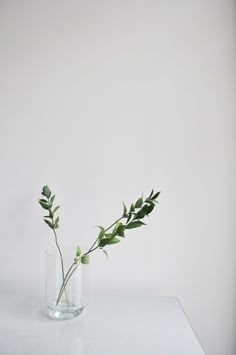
64,312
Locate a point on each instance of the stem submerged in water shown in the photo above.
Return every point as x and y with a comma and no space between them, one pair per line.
70,271
62,264
67,278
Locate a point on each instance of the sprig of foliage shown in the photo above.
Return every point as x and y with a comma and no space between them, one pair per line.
53,222
134,218
137,211
47,204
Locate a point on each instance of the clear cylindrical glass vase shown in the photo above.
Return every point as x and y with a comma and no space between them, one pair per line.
67,284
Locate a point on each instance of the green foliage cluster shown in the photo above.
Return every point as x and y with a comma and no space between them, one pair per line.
47,204
134,218
107,236
131,218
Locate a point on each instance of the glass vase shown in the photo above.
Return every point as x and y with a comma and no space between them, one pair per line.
67,285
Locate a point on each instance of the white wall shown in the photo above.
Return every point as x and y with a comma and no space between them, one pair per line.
103,100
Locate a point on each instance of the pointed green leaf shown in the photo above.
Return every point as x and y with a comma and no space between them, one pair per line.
46,191
108,235
57,220
132,208
42,200
121,234
51,213
145,208
150,208
139,202
156,195
105,252
52,199
149,201
151,194
56,208
135,224
129,217
44,205
124,210
113,241
103,242
120,230
78,251
56,226
85,259
102,233
117,225
141,214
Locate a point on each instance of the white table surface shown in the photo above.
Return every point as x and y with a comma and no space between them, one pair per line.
108,326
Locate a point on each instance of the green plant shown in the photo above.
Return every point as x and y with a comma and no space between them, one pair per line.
131,218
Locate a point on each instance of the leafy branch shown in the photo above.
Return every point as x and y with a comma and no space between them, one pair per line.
52,221
133,216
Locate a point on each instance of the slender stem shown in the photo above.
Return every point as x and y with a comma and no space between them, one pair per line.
62,288
70,273
118,220
59,250
66,281
62,263
91,248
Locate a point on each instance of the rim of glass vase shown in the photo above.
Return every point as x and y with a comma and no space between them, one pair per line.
67,250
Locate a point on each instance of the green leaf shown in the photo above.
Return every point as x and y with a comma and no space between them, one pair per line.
57,220
151,194
150,208
49,223
47,217
102,233
52,199
141,214
56,208
139,202
117,225
46,191
44,205
42,200
135,224
85,259
121,234
104,251
120,231
56,226
108,235
145,208
124,209
78,251
156,195
103,242
132,208
149,201
51,213
76,260
129,217
113,241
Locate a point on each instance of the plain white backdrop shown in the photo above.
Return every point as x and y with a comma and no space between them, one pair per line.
103,100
